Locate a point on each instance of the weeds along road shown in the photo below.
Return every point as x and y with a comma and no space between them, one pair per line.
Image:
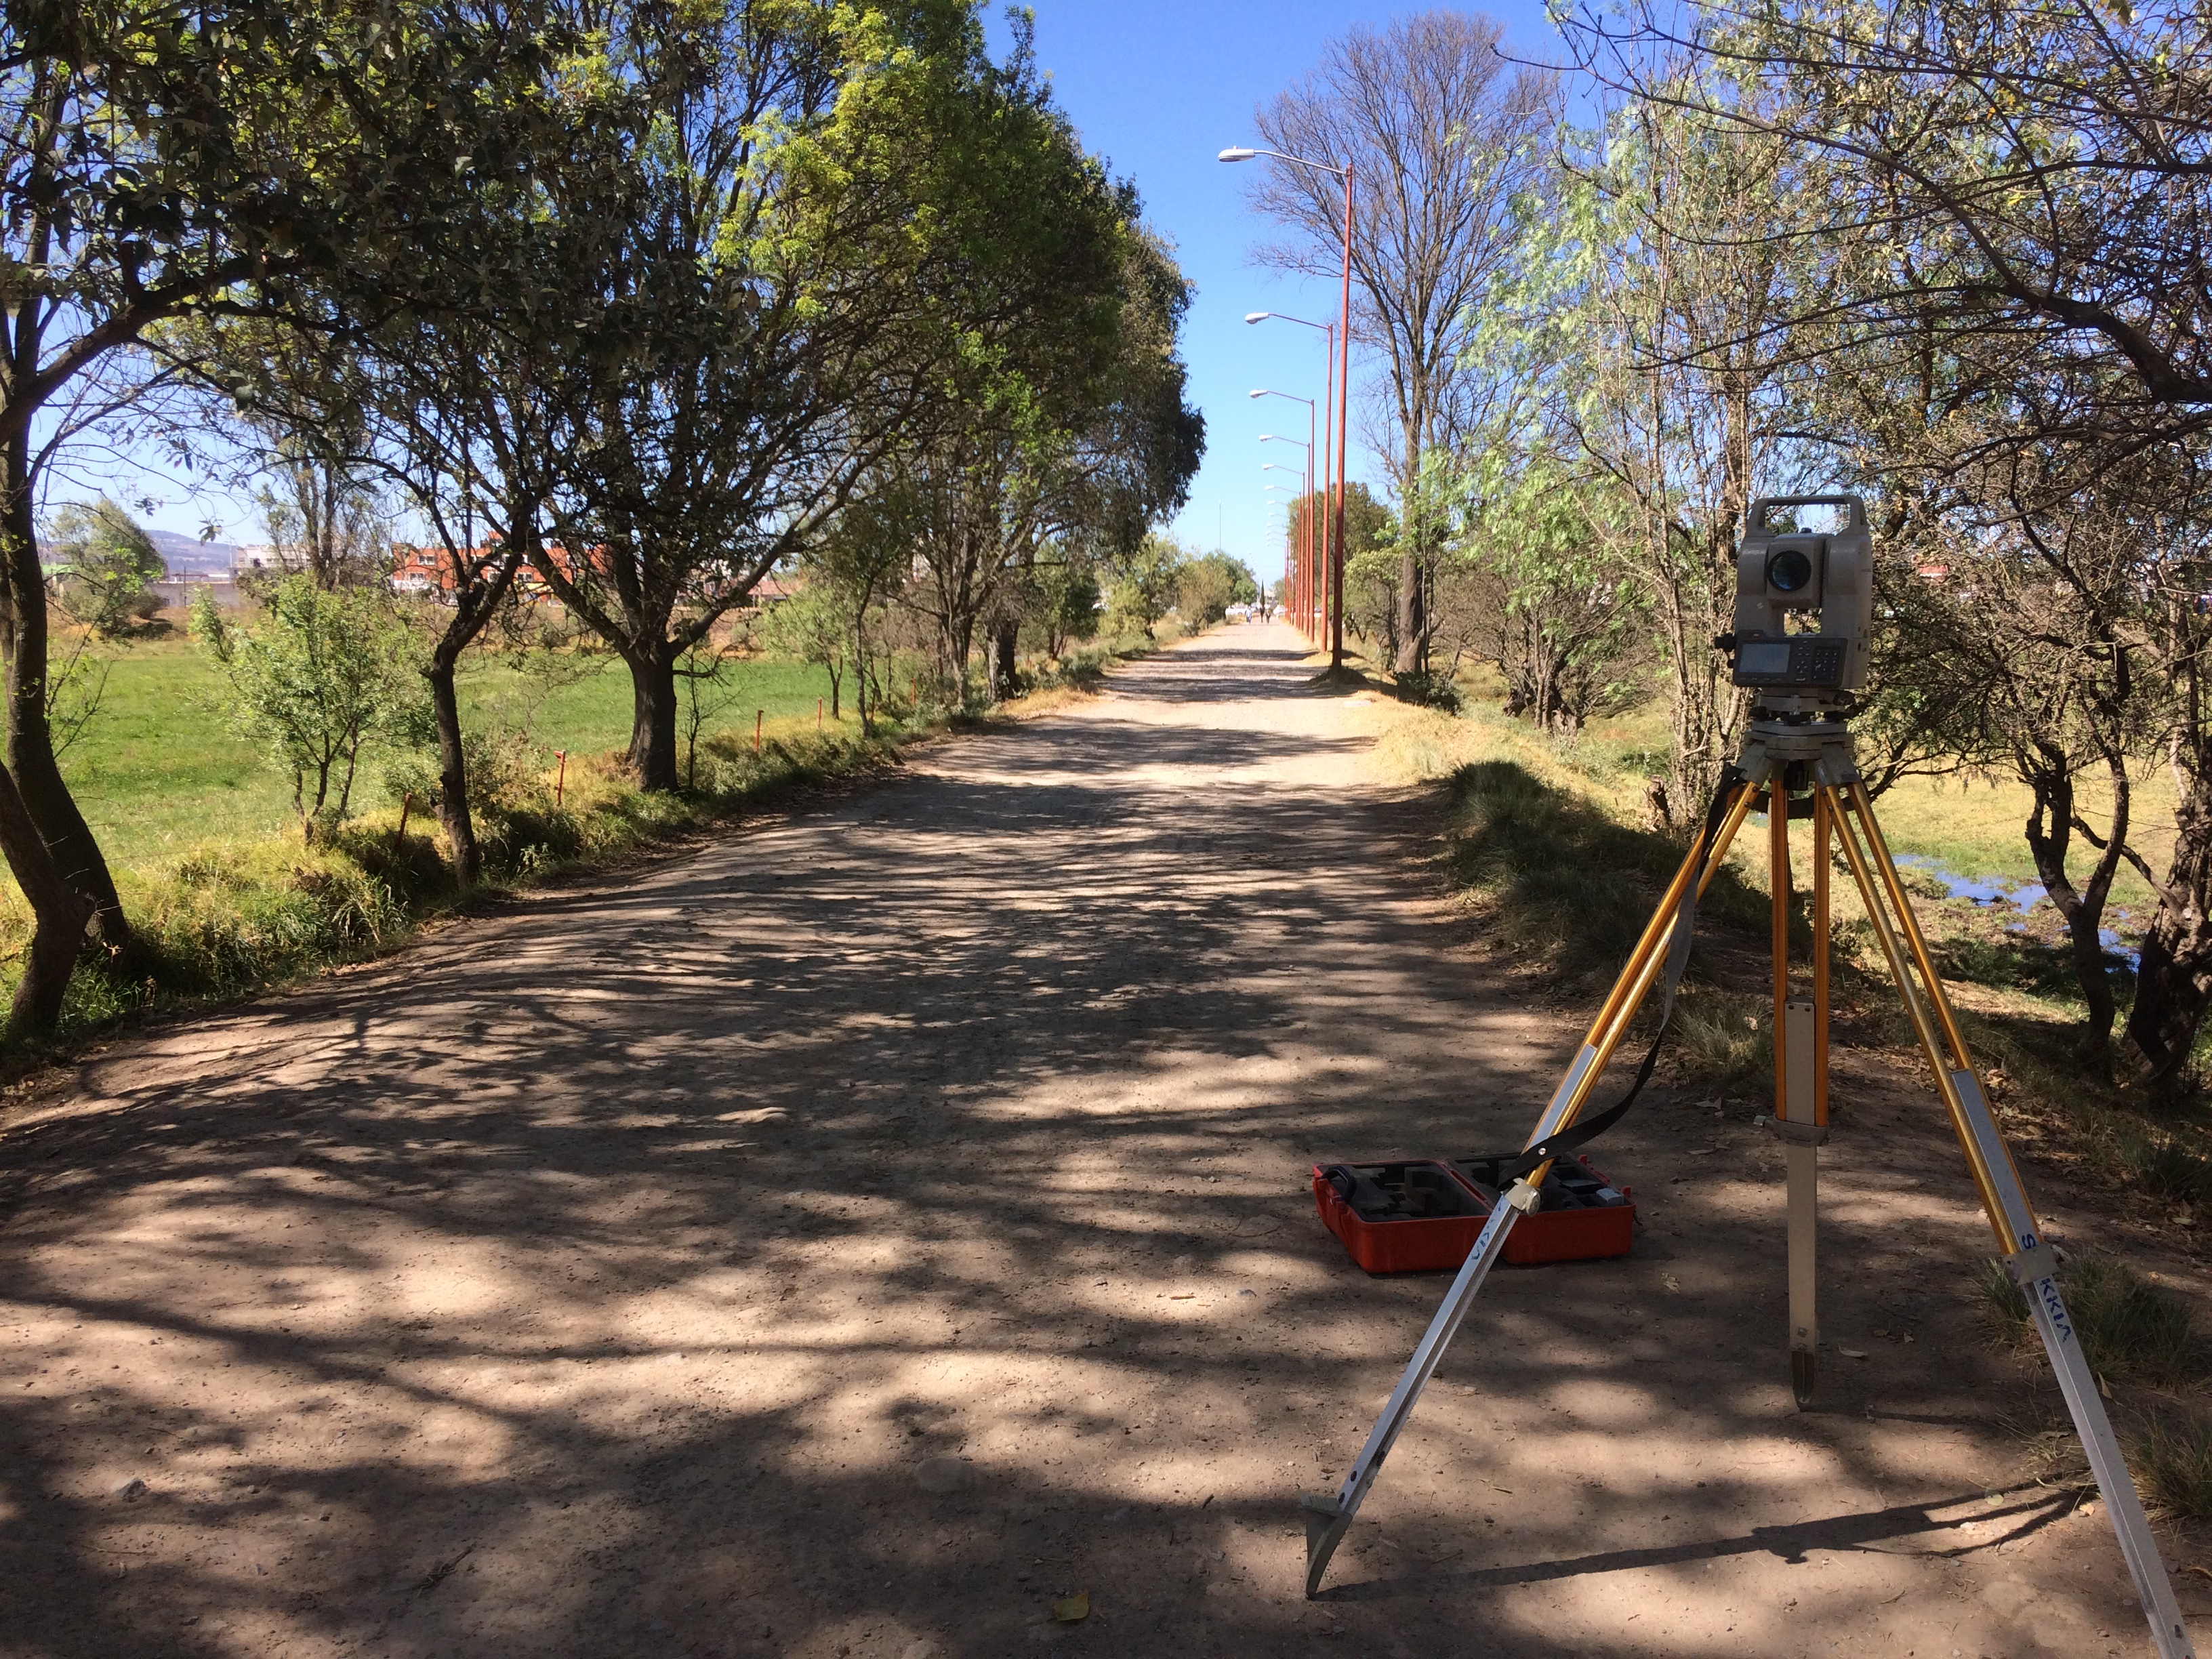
848,1239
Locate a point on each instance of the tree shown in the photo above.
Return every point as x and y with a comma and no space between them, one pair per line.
1144,584
833,206
1066,599
158,161
105,563
1637,337
1072,432
1207,584
323,508
815,625
1564,617
319,677
2022,191
451,377
1442,133
1373,566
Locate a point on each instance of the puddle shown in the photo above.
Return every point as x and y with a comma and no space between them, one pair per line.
1993,891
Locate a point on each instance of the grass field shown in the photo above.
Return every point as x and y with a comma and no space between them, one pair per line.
158,769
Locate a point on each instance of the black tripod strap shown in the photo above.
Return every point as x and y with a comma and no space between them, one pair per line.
1582,1131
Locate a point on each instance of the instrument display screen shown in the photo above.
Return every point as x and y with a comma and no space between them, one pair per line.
1764,658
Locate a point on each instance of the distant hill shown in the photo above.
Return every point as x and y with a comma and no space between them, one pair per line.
183,554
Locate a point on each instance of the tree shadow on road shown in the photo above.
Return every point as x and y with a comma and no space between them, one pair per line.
609,1275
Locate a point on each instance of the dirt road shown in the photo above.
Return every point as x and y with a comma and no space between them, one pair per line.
849,1238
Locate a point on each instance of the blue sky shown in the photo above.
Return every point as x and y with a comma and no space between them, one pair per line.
1159,88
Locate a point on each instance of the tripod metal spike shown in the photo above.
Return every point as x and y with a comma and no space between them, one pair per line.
1818,754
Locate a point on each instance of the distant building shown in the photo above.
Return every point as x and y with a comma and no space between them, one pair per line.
431,569
264,559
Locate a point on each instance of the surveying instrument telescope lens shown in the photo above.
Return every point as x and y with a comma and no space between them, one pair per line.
1797,744
1789,570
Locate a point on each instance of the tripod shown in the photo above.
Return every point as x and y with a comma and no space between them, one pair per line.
1781,758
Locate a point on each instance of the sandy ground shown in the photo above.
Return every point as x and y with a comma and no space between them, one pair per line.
846,1239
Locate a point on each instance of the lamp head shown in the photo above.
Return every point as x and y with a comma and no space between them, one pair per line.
1237,152
1257,316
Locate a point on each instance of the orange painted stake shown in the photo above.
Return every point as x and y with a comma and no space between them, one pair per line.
559,778
817,713
759,714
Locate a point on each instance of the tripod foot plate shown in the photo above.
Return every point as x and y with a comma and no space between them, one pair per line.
1325,1529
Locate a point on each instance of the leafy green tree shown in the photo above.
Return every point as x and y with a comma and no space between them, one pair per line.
835,210
1067,600
1144,585
1206,586
105,564
444,379
1070,428
320,677
815,625
160,159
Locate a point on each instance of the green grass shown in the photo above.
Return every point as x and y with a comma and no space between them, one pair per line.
225,896
1973,826
1559,878
159,770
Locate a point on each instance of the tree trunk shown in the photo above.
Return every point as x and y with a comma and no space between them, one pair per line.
860,672
836,677
453,773
60,913
2082,909
1412,620
653,720
959,646
1003,642
38,779
2174,981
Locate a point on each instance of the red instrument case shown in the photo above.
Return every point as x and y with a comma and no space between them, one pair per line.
1420,1215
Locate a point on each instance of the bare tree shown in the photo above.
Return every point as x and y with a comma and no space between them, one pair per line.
1442,133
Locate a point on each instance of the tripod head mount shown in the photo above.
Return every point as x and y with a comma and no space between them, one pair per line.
1804,606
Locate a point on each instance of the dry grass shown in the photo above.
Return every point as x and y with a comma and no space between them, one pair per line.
2129,1328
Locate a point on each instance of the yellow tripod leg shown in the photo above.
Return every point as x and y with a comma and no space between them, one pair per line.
2028,1257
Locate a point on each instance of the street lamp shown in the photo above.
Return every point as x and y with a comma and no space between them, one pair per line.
1305,556
1239,153
1307,602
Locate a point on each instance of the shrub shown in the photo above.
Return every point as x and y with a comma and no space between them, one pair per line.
319,679
1428,690
107,564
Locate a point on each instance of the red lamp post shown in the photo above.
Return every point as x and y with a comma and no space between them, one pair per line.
1343,386
1306,480
1306,509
